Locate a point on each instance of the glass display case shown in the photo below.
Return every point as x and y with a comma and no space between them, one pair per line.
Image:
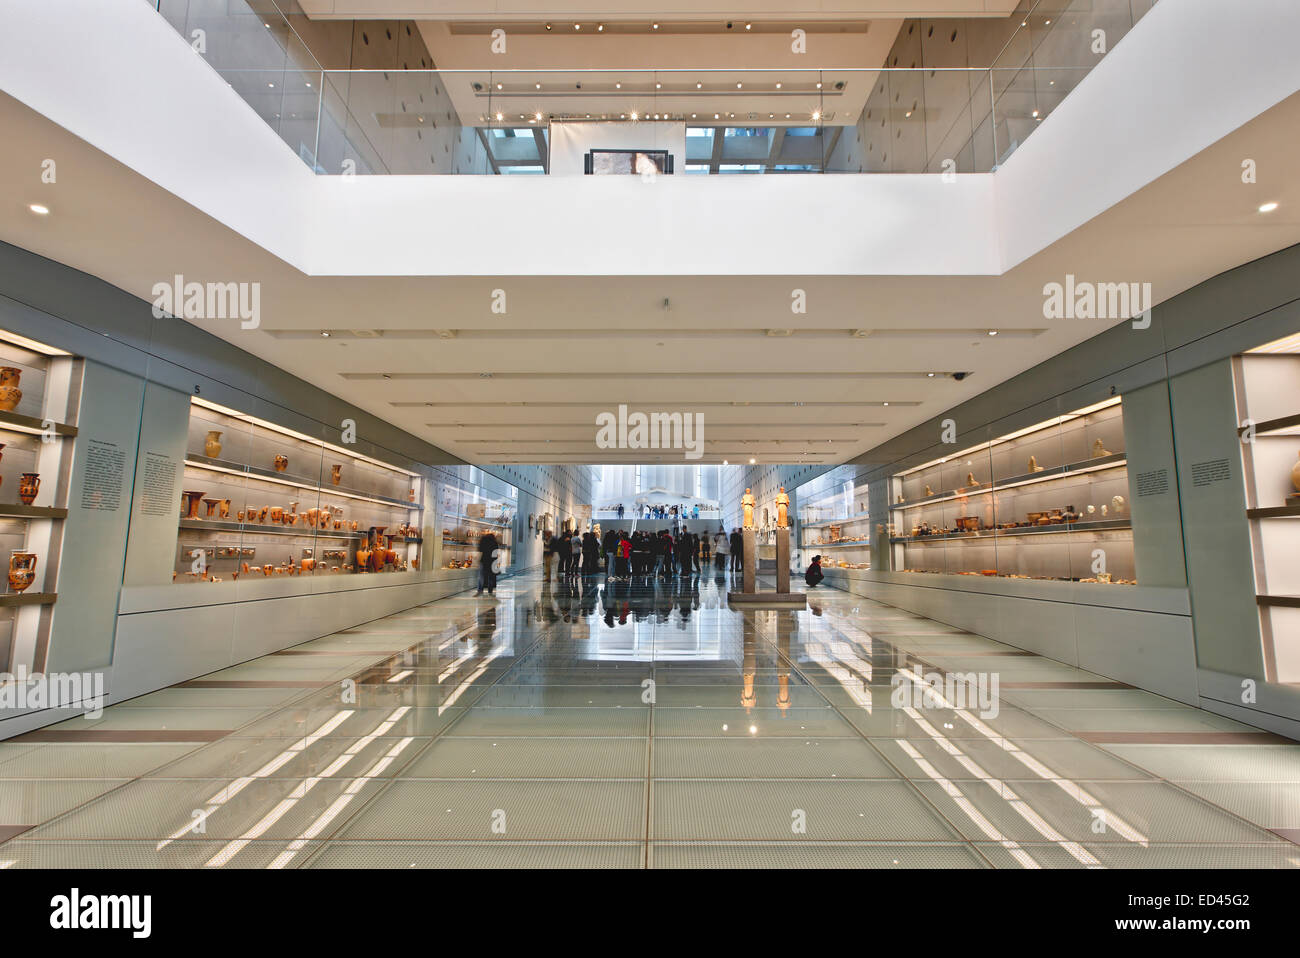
1050,501
263,501
466,511
40,390
831,511
1269,411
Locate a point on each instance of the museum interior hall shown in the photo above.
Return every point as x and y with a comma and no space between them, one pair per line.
460,435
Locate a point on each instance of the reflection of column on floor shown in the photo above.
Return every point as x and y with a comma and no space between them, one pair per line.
785,626
750,661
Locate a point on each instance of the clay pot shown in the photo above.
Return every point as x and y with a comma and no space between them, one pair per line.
281,463
312,516
212,507
277,515
225,509
240,515
266,569
212,444
363,558
190,504
28,485
415,563
308,565
10,394
22,570
336,473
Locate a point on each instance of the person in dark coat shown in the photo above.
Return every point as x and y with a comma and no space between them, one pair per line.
814,574
737,550
487,577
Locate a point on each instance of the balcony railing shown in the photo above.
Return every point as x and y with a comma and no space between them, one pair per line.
425,121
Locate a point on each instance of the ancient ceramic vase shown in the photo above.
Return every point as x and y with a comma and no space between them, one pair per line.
10,394
212,445
28,485
22,570
1295,476
336,474
281,463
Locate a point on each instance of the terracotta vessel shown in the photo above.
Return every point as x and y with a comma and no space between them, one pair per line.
277,514
336,473
212,444
240,515
22,570
308,565
225,509
281,463
190,503
1295,476
2,446
266,569
363,558
29,483
212,507
10,394
312,516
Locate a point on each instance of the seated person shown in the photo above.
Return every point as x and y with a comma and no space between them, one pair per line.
814,574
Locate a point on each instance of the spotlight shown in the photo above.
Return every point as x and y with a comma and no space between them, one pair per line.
39,210
1268,207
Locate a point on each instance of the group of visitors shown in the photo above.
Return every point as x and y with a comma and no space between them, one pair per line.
643,553
663,511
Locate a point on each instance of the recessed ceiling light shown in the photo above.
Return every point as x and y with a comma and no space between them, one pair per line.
993,332
600,28
752,461
659,86
271,85
325,333
929,375
817,114
577,26
500,117
885,404
749,26
725,463
1268,207
740,86
39,210
539,86
778,86
548,26
655,26
699,86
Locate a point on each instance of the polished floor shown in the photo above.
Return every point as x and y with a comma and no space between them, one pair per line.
640,725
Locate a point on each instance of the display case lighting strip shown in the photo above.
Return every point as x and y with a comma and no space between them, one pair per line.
190,463
1000,486
1018,434
23,342
282,430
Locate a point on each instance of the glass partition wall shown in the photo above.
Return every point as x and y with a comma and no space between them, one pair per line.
1050,501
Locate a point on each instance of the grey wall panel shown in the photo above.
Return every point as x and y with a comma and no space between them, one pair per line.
1157,517
93,552
1220,568
1154,652
151,543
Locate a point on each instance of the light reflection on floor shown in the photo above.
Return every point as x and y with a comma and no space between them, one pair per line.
646,724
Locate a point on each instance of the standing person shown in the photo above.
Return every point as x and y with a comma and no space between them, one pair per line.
487,577
667,545
548,556
620,512
590,553
609,545
575,556
624,555
684,554
737,550
721,551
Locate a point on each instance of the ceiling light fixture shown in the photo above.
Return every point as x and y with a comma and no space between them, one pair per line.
1268,207
600,28
325,333
993,332
39,209
655,26
752,461
548,26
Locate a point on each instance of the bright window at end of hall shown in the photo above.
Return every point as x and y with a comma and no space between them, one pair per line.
741,168
802,131
697,167
514,170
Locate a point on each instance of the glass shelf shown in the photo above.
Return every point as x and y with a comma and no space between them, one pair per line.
1048,502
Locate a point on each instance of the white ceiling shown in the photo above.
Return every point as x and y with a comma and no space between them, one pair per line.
576,346
666,12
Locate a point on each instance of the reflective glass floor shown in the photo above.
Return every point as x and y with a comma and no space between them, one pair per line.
641,725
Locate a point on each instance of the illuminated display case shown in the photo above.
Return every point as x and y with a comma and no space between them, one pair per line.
40,390
466,511
1270,411
833,520
261,501
1047,502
